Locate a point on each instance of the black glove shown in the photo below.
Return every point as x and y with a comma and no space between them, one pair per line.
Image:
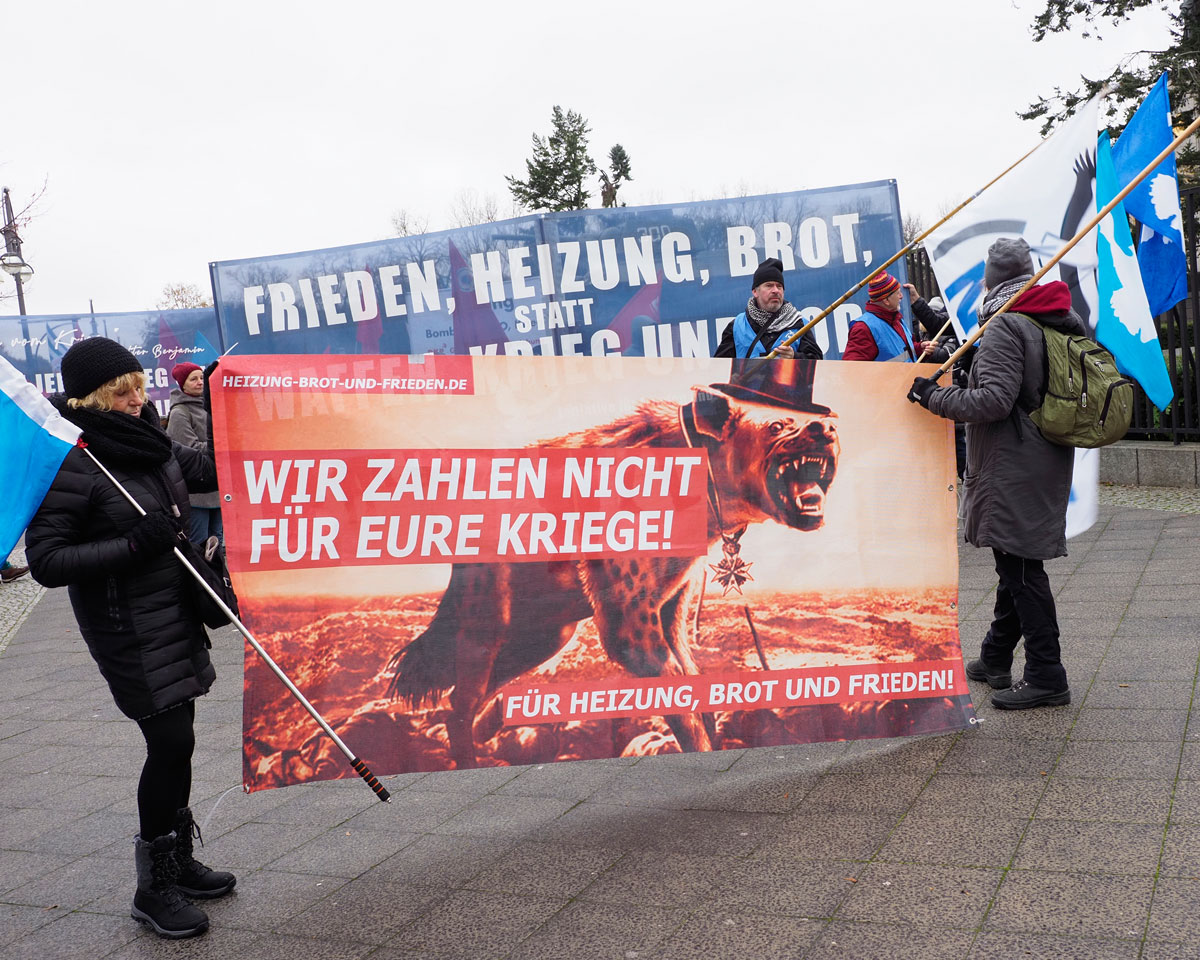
154,534
922,389
208,372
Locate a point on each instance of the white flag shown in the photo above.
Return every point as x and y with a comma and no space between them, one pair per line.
1045,199
1084,505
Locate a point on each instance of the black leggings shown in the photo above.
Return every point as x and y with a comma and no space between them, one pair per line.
166,781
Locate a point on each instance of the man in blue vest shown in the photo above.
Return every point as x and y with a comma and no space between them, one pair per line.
880,333
768,317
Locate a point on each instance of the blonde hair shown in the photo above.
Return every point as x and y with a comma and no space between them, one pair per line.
102,397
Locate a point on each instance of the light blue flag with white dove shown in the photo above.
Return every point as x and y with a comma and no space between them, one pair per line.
1154,202
1124,324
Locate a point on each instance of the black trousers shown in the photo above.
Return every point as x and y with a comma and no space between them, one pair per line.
1025,608
166,781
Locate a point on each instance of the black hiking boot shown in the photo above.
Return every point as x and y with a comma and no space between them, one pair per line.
195,879
158,901
996,679
1024,696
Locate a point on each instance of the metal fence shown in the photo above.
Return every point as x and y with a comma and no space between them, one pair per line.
1178,332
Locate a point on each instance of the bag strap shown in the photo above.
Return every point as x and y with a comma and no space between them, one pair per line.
757,340
1045,384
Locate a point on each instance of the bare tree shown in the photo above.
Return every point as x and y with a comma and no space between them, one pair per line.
182,296
912,227
743,188
405,223
470,208
947,206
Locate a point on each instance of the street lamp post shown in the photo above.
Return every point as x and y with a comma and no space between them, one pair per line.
15,266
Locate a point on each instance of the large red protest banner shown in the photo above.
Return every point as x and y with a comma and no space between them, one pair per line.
489,560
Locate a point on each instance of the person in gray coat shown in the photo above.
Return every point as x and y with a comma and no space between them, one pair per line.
187,423
1017,483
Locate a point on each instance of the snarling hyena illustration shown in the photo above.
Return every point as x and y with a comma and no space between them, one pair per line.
772,456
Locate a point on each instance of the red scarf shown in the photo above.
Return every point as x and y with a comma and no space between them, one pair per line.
883,313
1044,298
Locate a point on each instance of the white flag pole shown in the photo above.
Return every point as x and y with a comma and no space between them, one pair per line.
359,767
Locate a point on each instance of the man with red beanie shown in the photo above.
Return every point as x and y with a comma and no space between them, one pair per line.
880,333
1017,483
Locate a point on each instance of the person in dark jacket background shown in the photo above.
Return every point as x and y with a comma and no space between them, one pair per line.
188,424
131,602
1017,483
768,318
931,317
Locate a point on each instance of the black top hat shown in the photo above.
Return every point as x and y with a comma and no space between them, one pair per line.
776,383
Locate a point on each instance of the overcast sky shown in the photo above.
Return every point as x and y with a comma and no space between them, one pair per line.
169,135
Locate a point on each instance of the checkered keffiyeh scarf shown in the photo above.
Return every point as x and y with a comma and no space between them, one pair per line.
786,317
999,296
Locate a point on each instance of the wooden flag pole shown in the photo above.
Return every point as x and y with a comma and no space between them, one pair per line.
896,256
937,336
1083,232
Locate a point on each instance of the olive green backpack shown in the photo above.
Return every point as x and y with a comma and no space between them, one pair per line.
1088,402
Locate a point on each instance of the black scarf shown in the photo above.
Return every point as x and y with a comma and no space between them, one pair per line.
136,442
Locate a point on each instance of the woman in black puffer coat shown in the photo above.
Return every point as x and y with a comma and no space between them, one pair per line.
132,603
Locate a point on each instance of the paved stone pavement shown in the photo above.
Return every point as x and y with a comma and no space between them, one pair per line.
1064,833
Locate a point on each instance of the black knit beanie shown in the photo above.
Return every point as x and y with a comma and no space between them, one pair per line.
1007,259
768,270
91,363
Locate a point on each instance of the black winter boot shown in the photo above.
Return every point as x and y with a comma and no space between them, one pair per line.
980,672
158,901
195,879
1023,695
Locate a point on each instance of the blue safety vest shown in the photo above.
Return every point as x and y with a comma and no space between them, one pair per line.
744,335
889,343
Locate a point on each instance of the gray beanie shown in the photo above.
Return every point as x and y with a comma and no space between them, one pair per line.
1007,258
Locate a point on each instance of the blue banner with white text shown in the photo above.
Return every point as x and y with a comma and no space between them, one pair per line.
661,280
159,338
